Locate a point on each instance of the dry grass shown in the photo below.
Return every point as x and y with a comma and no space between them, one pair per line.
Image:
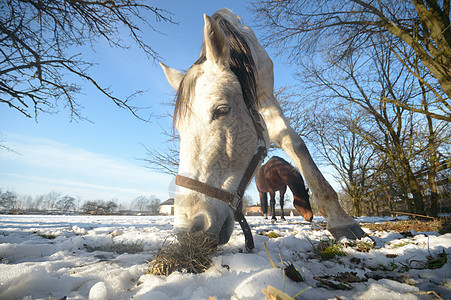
442,225
48,236
189,253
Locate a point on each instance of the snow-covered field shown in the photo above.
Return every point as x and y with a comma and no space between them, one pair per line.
106,257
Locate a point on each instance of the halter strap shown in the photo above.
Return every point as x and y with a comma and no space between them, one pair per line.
235,200
208,190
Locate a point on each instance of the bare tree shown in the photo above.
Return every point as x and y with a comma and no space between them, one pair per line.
165,160
140,203
99,206
362,79
51,198
8,200
247,201
66,203
420,28
349,50
153,205
111,206
436,135
39,202
39,40
90,206
350,155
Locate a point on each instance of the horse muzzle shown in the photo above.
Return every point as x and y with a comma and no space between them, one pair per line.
215,222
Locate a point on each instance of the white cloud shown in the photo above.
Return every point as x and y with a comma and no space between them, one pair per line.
43,163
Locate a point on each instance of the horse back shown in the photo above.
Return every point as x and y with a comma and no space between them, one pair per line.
274,175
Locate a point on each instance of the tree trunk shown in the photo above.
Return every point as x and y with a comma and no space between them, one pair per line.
412,183
432,172
433,210
356,207
390,204
417,195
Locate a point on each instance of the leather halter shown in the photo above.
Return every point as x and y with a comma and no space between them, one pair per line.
234,200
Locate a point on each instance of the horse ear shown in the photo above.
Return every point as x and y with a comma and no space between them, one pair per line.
216,46
173,76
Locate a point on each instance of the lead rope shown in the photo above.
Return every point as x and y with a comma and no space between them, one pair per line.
260,155
239,216
248,238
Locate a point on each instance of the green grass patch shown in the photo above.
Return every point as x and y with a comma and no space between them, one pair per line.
329,249
361,245
272,235
436,262
399,245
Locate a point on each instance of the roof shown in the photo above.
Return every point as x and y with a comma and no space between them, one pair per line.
170,201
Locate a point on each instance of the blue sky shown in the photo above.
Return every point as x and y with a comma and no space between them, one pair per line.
101,159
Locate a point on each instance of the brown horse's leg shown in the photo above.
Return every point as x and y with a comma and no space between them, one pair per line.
282,201
272,202
264,203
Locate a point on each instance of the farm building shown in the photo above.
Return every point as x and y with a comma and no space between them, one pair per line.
254,210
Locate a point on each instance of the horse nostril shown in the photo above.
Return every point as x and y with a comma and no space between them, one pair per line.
199,223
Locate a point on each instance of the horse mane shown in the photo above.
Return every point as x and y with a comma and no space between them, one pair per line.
241,64
286,164
293,170
296,173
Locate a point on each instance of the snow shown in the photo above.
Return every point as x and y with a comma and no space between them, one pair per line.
106,257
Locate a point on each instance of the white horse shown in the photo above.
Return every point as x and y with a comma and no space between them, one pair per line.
219,132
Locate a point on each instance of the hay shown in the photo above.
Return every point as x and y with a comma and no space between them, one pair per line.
188,253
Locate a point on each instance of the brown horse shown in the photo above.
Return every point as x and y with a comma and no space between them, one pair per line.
276,175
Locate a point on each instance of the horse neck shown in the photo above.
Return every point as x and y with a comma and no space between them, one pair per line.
296,184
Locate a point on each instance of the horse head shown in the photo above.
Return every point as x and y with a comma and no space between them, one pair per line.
218,136
301,202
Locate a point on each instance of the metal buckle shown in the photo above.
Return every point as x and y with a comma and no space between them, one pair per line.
235,203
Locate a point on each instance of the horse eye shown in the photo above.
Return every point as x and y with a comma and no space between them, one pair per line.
221,111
